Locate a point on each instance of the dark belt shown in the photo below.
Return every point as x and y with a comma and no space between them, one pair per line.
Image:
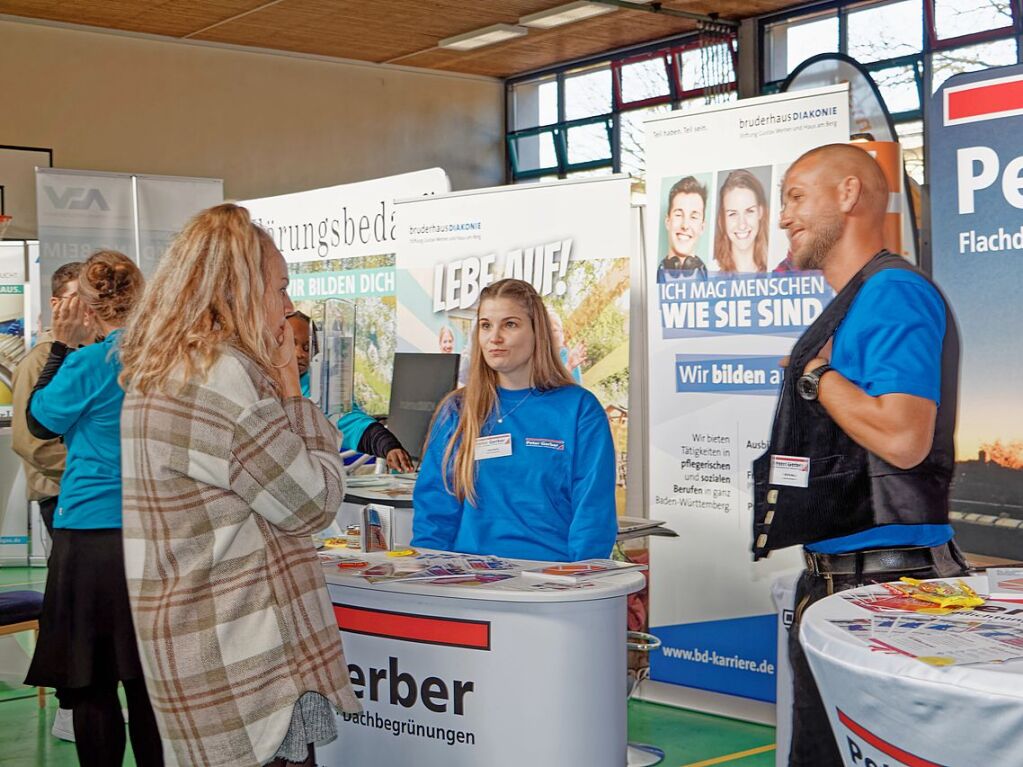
944,557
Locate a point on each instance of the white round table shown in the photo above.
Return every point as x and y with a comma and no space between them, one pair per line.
501,675
890,710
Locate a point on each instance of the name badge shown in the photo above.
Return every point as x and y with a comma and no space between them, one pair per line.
497,446
790,471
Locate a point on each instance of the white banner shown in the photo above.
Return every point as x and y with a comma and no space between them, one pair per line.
571,240
340,243
12,318
724,305
81,212
165,204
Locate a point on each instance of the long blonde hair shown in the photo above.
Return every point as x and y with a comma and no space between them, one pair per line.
209,290
475,402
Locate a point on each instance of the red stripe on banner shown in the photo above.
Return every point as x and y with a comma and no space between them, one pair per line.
473,635
985,100
884,746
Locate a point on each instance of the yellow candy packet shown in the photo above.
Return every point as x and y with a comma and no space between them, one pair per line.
941,593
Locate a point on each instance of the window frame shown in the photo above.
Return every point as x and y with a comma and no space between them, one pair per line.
920,62
669,51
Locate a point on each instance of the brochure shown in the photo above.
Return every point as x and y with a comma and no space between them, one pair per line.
1005,583
573,572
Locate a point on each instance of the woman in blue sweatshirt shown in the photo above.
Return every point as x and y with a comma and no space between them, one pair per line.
519,462
86,636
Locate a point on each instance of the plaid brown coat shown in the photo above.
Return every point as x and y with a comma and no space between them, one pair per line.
223,485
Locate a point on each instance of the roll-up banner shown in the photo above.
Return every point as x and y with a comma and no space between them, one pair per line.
12,319
81,212
975,163
164,204
570,239
340,242
725,304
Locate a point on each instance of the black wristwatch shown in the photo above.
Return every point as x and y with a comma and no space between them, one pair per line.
808,384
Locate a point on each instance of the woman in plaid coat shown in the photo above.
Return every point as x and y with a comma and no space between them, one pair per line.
227,472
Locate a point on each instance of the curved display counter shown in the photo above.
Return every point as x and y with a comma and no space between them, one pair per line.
510,673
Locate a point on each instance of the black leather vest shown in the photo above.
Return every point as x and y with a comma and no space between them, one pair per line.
850,489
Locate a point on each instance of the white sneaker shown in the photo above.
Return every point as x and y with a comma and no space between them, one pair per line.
63,725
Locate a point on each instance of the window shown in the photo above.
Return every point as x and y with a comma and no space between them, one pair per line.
587,93
958,18
791,43
886,31
587,118
904,45
946,63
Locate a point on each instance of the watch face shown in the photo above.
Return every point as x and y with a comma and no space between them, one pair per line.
807,387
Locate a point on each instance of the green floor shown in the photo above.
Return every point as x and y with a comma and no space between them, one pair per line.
689,739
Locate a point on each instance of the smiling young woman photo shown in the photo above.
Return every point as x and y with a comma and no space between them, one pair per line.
519,462
740,236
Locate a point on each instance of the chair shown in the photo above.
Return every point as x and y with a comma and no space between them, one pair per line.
20,611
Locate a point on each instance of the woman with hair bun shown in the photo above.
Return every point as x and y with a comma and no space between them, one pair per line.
520,461
86,636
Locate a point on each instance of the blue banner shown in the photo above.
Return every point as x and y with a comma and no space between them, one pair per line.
735,656
777,304
975,165
719,373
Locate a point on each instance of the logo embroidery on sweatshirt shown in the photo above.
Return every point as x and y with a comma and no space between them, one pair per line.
550,444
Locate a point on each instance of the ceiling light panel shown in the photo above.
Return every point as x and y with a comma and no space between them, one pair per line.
497,33
565,14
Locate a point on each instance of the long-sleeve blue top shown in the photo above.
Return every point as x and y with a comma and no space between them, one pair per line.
351,425
83,403
553,498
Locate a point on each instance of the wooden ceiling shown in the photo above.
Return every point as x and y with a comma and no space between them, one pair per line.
402,32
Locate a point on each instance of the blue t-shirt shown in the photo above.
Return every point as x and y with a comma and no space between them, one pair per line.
352,424
553,498
890,343
83,403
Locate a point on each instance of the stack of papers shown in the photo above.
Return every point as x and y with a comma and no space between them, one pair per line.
441,568
572,572
937,637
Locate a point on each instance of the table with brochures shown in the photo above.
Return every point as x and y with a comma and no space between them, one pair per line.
919,688
488,668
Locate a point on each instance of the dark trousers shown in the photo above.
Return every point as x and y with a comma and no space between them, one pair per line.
813,743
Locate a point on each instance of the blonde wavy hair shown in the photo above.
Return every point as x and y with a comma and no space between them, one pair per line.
476,401
110,284
209,290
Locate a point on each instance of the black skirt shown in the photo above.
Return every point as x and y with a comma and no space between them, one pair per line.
86,635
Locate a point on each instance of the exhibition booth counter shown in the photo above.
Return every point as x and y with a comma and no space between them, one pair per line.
497,669
919,690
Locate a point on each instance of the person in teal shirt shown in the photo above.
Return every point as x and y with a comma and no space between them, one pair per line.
520,462
87,642
359,431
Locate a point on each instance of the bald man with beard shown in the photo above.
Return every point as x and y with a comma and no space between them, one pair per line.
870,399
